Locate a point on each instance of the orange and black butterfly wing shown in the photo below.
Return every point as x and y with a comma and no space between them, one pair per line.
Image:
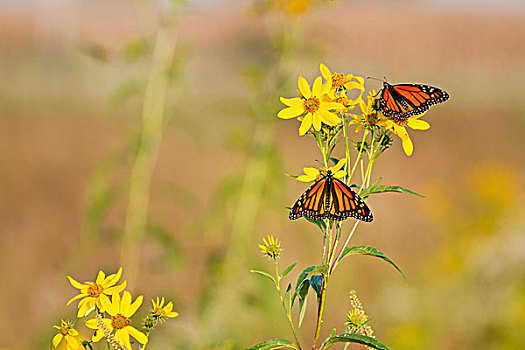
346,203
312,202
401,101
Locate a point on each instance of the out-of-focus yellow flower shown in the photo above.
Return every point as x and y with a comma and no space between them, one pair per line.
312,108
370,115
161,311
67,338
96,293
296,7
120,310
398,127
271,247
314,174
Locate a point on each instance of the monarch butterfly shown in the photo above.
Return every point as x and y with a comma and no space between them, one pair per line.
401,101
329,198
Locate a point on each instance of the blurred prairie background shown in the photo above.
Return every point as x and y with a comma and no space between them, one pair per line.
73,75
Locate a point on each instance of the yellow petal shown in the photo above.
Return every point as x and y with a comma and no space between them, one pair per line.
129,311
359,128
75,283
328,117
125,303
306,124
354,85
78,296
114,307
113,279
123,336
317,87
305,178
408,146
317,121
105,302
339,165
311,171
304,88
172,314
100,277
333,105
418,124
141,337
116,289
290,112
325,72
169,307
294,101
56,339
72,342
339,174
92,323
326,87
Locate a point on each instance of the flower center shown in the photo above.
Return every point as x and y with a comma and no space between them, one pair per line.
119,321
311,105
95,290
401,122
64,329
342,100
371,118
273,250
338,80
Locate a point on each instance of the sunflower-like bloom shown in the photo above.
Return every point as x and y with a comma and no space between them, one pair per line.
67,338
313,107
121,310
340,81
160,311
314,174
398,127
96,293
355,319
370,116
271,247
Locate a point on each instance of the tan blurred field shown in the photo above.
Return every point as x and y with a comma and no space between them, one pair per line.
65,136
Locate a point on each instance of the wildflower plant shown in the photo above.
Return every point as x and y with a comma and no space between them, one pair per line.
326,110
110,316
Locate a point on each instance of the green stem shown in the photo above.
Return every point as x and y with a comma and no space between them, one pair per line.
288,314
320,312
347,152
336,261
359,154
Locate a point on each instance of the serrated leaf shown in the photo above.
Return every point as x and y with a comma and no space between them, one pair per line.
356,338
288,270
380,189
266,274
367,250
273,344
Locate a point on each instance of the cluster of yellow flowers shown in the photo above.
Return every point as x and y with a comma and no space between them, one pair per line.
330,101
104,297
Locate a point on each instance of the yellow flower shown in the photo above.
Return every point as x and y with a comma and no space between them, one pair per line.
271,247
313,106
340,81
67,338
160,311
370,115
398,127
120,310
355,319
96,293
313,174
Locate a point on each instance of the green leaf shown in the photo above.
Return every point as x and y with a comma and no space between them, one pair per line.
367,250
288,270
356,338
288,299
316,281
264,274
302,277
321,269
274,344
380,189
332,334
303,294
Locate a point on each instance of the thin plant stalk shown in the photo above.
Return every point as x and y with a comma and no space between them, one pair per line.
147,152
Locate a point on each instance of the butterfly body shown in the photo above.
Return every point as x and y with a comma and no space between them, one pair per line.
330,198
400,101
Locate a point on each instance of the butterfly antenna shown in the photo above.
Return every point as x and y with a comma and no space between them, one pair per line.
374,78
